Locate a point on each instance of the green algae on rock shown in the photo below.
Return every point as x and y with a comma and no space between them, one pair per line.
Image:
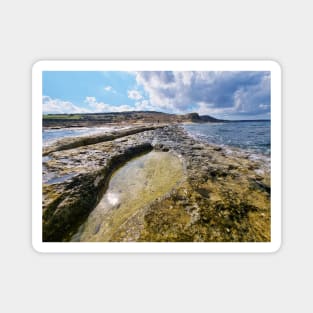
223,196
66,205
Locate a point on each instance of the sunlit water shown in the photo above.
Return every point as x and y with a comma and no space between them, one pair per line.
49,136
136,184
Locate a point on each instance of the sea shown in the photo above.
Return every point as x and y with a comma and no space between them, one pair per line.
49,136
251,136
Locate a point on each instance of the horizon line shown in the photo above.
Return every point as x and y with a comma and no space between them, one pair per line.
143,111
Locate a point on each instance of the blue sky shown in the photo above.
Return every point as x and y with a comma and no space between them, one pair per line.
232,95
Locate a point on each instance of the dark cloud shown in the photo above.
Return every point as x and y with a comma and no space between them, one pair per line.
216,93
221,90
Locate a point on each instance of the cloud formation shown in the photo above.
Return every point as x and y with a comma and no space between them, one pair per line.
92,105
109,89
226,94
134,94
98,107
57,106
218,93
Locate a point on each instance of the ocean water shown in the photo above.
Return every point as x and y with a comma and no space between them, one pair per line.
254,136
51,135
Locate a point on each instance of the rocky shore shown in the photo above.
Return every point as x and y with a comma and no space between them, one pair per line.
224,194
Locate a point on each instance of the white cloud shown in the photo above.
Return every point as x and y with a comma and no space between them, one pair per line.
109,89
207,92
57,106
208,109
98,107
94,105
144,105
141,105
134,94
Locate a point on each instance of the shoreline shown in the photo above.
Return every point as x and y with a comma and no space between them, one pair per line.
223,197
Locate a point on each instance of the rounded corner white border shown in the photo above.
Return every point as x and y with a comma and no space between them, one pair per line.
272,66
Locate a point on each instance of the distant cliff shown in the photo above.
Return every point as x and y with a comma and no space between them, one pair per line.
196,118
95,119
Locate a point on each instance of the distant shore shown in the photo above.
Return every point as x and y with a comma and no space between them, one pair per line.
132,117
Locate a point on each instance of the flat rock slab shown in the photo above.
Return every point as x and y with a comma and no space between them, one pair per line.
225,195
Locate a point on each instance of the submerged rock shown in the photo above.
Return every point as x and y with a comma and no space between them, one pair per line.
65,210
135,185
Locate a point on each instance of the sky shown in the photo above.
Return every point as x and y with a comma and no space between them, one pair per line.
223,94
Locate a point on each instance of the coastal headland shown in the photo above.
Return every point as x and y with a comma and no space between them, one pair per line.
203,192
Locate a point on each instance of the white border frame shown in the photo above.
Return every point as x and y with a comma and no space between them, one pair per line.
146,247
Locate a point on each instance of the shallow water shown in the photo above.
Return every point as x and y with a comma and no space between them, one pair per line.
49,136
56,179
136,184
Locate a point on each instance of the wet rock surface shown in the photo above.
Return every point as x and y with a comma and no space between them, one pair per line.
155,173
74,142
224,196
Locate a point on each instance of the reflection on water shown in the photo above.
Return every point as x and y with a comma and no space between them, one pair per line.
49,136
136,184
